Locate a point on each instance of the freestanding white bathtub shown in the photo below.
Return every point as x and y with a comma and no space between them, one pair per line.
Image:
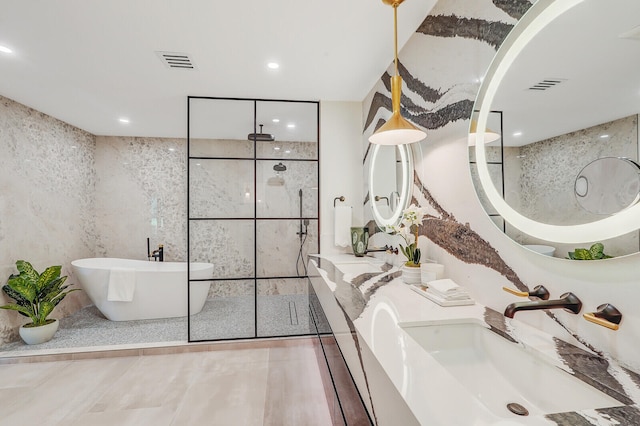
160,287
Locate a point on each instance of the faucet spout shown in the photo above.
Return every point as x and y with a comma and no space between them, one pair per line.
568,301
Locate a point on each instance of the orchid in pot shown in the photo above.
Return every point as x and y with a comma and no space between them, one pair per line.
408,230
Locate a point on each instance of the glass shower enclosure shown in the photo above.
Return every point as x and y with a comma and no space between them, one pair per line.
252,208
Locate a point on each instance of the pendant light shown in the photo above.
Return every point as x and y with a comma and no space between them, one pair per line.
488,135
397,130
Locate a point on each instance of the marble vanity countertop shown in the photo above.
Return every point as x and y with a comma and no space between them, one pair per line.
380,306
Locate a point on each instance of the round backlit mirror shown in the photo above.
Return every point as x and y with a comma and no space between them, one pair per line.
558,113
390,178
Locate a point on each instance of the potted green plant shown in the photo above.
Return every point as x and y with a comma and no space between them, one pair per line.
595,252
408,230
35,296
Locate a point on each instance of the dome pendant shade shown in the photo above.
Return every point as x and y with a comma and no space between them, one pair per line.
489,135
397,130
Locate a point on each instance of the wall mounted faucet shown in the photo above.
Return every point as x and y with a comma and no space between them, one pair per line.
158,255
568,301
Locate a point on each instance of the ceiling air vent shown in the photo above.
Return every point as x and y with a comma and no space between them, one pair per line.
547,83
176,60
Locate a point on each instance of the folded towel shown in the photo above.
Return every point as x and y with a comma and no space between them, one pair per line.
122,284
342,226
461,296
444,286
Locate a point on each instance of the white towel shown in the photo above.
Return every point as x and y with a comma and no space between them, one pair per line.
342,226
122,284
447,289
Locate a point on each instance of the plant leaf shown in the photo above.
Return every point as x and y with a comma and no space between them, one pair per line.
52,289
572,255
49,274
45,309
597,251
23,286
27,270
16,296
582,254
24,311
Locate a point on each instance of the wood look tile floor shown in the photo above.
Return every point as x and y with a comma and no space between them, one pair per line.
253,384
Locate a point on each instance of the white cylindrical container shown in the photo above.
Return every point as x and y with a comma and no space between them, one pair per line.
436,268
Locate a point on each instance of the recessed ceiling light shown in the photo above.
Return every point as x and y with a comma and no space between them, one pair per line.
517,133
276,120
273,65
172,149
276,148
123,120
5,49
198,164
288,151
604,136
291,125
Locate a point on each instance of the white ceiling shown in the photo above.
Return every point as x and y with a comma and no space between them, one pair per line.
601,73
88,63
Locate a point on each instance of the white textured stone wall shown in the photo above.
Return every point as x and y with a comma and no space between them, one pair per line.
47,203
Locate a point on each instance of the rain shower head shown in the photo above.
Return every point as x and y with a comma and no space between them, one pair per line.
263,137
279,167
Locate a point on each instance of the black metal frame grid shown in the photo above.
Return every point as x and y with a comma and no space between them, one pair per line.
255,219
501,162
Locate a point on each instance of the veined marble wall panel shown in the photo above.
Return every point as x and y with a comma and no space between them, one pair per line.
228,244
278,247
47,184
221,188
278,192
441,66
140,194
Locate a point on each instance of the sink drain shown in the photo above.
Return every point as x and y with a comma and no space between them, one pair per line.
518,409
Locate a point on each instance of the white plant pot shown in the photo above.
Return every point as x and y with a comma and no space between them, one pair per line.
411,275
37,335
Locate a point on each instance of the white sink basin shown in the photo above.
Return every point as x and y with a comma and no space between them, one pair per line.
498,372
358,268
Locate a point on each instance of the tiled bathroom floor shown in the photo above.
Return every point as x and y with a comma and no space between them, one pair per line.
273,383
221,318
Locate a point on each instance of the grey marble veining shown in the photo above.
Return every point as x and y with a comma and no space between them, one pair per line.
589,367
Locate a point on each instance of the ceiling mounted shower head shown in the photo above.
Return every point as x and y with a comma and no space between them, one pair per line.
263,137
279,167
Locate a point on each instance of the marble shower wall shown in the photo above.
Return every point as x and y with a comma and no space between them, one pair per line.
223,189
140,193
442,66
47,182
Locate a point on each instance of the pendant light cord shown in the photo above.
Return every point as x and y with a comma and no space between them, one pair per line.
395,34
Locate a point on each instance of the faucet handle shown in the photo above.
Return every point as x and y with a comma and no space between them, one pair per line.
607,316
538,291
